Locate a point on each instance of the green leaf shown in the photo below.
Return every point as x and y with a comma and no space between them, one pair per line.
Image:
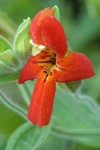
56,143
76,117
4,44
27,137
12,105
95,142
22,46
7,127
92,86
79,146
9,66
9,59
56,12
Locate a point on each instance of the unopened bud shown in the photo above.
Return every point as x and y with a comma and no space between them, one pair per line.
22,44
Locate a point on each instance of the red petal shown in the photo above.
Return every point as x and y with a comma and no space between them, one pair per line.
29,71
35,32
53,35
73,67
47,30
40,108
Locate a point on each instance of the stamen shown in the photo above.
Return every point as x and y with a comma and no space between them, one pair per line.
42,47
31,42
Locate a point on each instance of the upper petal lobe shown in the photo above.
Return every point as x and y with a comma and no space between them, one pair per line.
35,31
54,36
47,30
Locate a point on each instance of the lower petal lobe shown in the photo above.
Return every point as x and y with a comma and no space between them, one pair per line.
41,104
29,71
75,66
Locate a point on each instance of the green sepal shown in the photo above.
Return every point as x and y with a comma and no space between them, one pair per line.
74,85
4,44
56,12
21,44
9,64
9,59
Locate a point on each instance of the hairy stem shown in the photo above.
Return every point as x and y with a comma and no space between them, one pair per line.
25,92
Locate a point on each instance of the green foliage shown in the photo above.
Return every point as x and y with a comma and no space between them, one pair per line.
9,122
11,105
53,143
27,137
76,117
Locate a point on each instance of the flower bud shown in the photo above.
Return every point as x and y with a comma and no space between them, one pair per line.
9,64
22,45
4,44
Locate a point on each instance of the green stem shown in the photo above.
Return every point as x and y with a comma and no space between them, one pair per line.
25,92
27,89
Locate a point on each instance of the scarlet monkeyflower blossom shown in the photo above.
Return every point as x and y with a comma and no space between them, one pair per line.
54,63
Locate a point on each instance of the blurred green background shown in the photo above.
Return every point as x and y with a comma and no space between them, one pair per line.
81,21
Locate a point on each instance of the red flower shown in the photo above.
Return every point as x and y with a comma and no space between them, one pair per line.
51,65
